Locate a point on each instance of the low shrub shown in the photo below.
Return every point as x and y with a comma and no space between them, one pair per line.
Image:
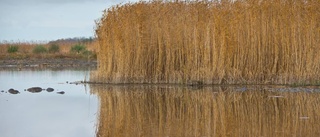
54,48
39,49
12,49
78,48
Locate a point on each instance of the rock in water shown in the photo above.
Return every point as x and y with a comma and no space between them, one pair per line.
35,89
61,92
13,91
50,89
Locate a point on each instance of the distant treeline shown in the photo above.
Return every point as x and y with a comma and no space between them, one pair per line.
63,40
73,40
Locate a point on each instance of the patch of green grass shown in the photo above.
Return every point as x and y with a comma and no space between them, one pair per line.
12,49
54,48
78,48
39,49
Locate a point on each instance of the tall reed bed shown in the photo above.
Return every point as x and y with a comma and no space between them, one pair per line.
212,111
227,42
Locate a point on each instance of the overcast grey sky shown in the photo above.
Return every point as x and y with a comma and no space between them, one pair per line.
45,20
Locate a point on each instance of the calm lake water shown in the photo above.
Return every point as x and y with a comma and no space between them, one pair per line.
149,110
47,114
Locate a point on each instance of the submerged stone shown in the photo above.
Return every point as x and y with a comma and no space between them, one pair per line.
13,91
61,92
34,89
50,89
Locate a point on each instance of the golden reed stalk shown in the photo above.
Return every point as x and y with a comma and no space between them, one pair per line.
227,42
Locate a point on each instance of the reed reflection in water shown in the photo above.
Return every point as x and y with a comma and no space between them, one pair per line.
209,111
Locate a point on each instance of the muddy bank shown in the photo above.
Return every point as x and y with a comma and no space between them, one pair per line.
58,63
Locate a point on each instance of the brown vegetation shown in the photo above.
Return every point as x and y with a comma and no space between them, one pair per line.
241,42
211,111
26,49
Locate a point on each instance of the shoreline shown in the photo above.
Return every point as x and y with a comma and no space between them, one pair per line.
43,63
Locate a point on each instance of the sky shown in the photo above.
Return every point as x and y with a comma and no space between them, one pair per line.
46,20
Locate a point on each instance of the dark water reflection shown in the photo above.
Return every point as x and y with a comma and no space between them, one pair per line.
210,111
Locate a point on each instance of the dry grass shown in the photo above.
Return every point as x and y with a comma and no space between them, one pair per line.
241,42
25,50
211,111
